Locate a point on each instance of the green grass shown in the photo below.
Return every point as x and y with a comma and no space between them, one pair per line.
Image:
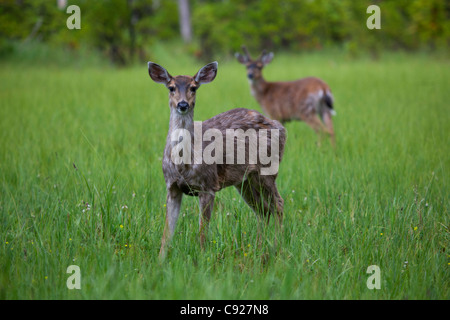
80,157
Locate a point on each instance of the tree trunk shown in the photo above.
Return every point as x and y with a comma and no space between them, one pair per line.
131,28
185,20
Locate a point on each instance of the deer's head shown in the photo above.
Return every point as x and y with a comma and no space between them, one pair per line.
182,89
254,67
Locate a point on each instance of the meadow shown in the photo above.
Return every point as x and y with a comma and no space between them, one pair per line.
82,184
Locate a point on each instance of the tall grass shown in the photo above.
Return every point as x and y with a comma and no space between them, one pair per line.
81,184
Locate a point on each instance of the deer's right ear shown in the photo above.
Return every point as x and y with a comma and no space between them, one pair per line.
207,73
242,59
266,58
158,73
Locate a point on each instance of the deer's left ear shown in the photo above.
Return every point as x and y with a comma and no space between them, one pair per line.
242,59
158,73
267,58
207,73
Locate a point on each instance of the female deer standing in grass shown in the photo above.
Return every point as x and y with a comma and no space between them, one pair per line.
252,179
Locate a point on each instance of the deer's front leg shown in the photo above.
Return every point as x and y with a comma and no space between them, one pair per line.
173,204
206,206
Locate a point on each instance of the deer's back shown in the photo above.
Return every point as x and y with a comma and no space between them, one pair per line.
241,118
289,100
244,119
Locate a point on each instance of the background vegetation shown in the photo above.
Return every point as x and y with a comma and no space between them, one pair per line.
125,30
82,140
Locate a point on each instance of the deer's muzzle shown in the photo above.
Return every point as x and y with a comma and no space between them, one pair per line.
182,107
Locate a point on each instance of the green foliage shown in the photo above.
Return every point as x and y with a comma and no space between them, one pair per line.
23,19
125,30
122,29
222,26
119,29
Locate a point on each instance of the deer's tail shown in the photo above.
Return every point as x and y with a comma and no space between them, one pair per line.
329,101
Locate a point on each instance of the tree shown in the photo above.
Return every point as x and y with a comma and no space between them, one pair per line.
185,20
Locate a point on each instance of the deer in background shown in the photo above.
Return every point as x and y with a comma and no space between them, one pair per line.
306,99
204,180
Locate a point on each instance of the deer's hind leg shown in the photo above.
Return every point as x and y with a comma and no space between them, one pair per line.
309,112
314,122
326,117
261,194
206,200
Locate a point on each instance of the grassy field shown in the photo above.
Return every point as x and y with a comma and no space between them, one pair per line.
82,184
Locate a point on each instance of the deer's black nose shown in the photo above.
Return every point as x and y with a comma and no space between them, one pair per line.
182,106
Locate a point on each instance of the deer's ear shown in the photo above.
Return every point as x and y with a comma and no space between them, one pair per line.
158,73
242,59
207,73
267,58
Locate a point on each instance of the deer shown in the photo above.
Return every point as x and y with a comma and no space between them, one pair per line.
306,99
203,179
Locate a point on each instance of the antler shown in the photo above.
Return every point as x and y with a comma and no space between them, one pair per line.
247,54
262,54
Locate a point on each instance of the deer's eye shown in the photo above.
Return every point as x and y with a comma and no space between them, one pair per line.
172,89
193,89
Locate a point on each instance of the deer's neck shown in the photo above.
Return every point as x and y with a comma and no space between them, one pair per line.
258,87
181,130
178,121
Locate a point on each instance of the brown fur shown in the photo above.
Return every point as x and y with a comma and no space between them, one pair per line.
204,180
307,99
